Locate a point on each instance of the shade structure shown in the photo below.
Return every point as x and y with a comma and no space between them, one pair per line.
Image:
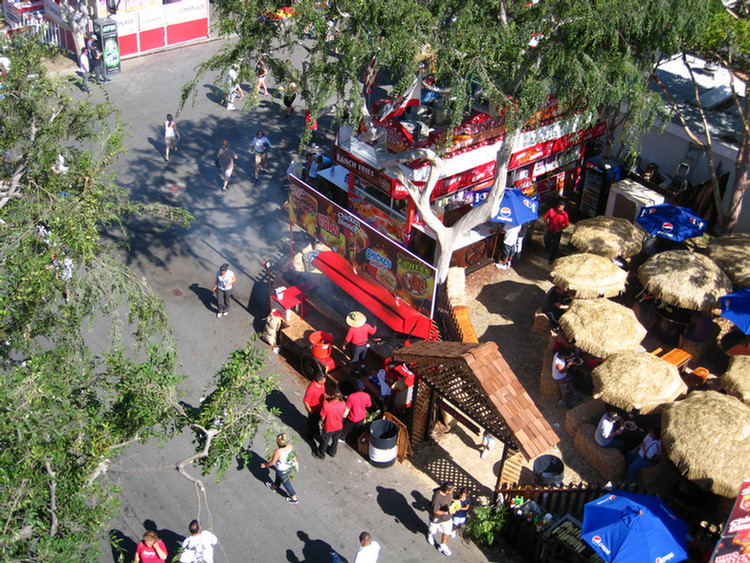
671,221
637,380
684,279
707,438
736,307
608,236
732,254
589,275
736,380
624,527
602,327
514,209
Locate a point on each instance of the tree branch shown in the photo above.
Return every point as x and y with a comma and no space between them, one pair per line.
52,500
180,467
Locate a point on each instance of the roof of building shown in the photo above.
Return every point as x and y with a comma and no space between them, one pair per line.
714,91
477,380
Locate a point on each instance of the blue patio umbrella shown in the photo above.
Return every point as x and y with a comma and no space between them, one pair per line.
629,528
670,221
514,209
736,308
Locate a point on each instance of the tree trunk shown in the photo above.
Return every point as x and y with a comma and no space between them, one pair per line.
741,176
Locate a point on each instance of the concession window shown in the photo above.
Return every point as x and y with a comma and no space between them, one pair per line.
398,315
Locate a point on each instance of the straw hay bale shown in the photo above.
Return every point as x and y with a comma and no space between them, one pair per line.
608,236
685,279
602,327
637,380
589,412
732,253
609,462
707,438
588,275
736,380
455,286
542,325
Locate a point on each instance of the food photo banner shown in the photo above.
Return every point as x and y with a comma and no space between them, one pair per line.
372,254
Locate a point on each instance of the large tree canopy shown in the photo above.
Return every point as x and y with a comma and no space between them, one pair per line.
510,56
65,410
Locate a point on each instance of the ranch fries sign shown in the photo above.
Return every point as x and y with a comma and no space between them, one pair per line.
373,255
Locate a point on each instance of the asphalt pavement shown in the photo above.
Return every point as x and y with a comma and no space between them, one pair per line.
339,497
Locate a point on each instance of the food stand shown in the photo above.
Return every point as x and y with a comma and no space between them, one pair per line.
360,269
547,162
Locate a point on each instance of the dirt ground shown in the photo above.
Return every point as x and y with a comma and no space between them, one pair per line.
501,307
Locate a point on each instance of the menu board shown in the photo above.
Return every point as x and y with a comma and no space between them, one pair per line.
734,545
373,255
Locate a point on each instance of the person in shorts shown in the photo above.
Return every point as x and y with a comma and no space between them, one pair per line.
225,159
260,145
460,509
440,517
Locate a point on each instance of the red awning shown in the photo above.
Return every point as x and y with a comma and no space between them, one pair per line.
374,297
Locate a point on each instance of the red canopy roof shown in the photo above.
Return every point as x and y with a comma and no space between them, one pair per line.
374,297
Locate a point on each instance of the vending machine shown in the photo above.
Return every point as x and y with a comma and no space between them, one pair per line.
599,173
106,31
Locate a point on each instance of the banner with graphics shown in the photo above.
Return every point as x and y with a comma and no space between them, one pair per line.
734,545
373,255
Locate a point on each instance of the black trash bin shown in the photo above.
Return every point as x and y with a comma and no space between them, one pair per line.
548,470
383,443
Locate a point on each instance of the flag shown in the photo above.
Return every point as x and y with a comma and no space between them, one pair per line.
371,75
412,97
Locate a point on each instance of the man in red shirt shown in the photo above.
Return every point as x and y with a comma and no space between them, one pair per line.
315,397
357,404
332,419
556,219
358,333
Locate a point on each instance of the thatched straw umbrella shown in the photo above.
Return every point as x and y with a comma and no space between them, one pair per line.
736,380
707,437
602,327
608,236
685,279
637,380
588,275
732,254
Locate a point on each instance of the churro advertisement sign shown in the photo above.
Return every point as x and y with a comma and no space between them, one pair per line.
373,255
734,545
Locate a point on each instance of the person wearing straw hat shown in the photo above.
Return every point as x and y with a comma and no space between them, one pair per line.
357,335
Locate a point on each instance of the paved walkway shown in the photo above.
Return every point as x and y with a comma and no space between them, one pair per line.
338,498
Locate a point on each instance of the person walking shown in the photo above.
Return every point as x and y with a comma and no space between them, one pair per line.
199,546
260,145
290,93
225,160
284,461
557,220
150,549
262,71
357,404
315,397
97,62
509,246
85,67
357,335
332,422
234,88
440,517
225,279
171,136
368,551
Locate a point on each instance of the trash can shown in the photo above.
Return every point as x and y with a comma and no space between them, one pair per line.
548,470
320,344
383,443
